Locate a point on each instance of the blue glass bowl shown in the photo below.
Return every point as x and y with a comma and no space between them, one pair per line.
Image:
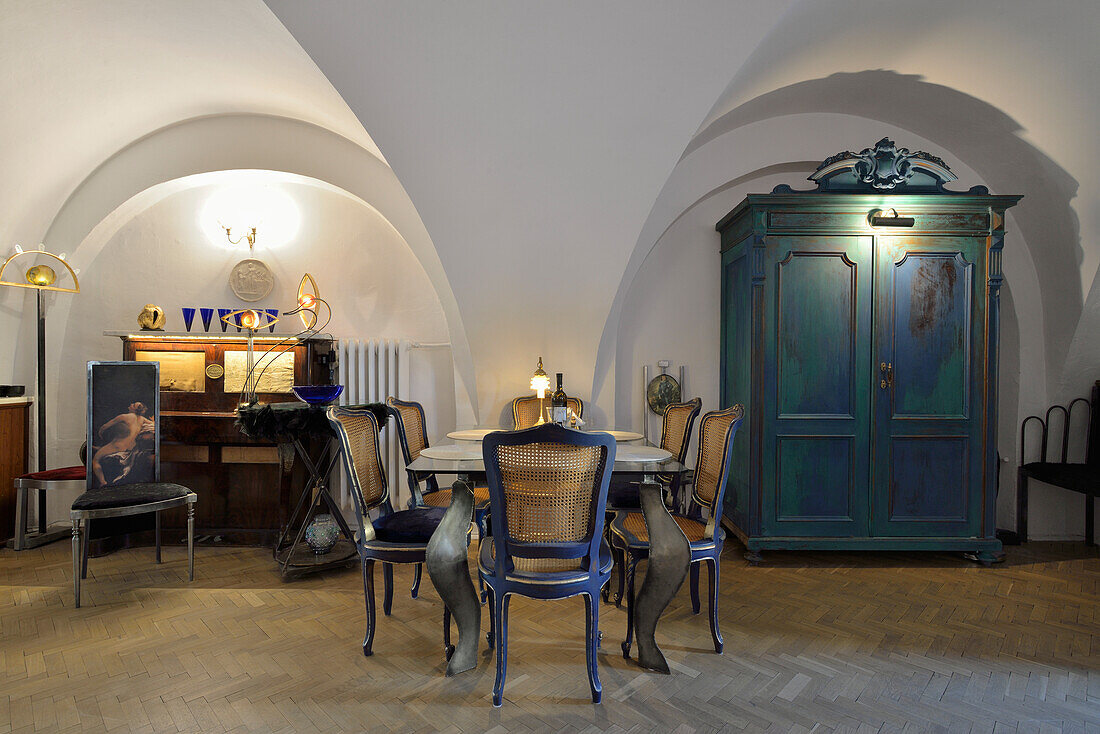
317,394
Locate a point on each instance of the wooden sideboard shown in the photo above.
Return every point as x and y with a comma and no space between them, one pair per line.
246,487
14,444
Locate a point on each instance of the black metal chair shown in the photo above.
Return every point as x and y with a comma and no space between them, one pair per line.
127,494
705,536
394,537
1076,477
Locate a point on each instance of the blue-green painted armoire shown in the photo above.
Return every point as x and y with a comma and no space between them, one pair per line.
859,329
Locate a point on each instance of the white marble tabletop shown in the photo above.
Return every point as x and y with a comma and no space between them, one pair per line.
476,434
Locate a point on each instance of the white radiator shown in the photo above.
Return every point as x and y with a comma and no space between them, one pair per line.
371,370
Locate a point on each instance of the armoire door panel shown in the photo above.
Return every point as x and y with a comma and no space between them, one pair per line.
927,440
817,354
928,479
823,463
932,298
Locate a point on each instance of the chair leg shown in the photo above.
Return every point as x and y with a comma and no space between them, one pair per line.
1021,505
714,631
500,611
620,558
191,541
78,545
387,585
368,595
695,588
21,518
592,626
416,579
490,636
631,567
87,547
1089,519
448,648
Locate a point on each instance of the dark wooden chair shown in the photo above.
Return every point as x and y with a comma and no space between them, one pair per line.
629,534
548,486
394,537
1076,477
526,409
132,494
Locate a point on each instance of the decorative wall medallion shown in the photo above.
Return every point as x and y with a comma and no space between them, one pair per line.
662,391
215,371
251,280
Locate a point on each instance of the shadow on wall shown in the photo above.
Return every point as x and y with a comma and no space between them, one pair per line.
981,135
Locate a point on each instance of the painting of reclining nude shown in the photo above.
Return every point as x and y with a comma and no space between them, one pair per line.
123,413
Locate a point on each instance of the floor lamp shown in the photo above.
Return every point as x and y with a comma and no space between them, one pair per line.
40,277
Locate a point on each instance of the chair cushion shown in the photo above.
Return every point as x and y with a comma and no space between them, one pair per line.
129,494
623,495
67,474
409,526
1083,478
631,525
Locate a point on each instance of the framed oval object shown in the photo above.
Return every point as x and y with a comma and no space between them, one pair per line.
251,280
662,391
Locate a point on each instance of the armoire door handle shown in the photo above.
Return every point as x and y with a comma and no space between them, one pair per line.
887,369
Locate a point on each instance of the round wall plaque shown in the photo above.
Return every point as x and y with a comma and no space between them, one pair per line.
662,391
215,371
251,280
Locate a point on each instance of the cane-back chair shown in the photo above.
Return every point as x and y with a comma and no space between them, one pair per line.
394,537
701,525
131,492
676,427
526,409
548,486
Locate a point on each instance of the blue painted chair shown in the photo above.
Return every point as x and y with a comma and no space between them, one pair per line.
394,537
548,487
676,427
629,534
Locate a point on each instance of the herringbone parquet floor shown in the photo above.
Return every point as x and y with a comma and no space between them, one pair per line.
814,642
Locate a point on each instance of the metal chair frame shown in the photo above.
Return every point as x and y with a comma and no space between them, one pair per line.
707,550
499,573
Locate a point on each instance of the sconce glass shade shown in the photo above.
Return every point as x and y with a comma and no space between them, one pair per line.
540,381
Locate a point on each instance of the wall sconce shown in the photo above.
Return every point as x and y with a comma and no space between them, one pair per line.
878,218
249,236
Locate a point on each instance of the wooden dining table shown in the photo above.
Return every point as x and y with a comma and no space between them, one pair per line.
449,571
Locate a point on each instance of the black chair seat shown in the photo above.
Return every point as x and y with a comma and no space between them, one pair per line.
409,526
1083,478
130,494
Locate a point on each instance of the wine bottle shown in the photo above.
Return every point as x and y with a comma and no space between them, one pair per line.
559,409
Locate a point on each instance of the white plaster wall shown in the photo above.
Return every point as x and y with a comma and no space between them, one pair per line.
162,254
84,79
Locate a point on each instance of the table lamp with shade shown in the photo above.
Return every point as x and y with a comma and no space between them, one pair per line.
41,277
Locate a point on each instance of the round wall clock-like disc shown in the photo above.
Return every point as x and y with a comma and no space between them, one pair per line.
251,280
662,391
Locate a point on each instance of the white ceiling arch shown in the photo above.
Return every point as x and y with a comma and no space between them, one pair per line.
247,141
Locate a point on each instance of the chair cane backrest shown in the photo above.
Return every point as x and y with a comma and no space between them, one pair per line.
527,409
676,427
716,434
357,429
550,485
412,434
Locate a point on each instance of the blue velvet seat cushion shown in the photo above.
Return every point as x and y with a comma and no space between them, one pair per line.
129,494
409,526
623,495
